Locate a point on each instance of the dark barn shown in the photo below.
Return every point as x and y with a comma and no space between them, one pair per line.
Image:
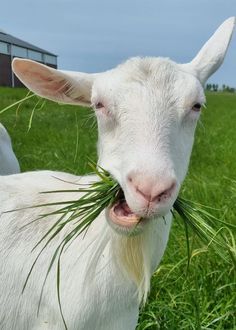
11,47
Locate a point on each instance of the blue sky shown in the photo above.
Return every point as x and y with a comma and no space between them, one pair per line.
94,36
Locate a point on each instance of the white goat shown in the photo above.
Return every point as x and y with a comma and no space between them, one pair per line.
147,110
8,161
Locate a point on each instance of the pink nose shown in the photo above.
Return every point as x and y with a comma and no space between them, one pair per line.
151,189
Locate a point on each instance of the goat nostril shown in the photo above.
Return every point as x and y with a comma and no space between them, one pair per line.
166,193
130,179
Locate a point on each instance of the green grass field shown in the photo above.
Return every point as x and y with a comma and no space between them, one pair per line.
61,137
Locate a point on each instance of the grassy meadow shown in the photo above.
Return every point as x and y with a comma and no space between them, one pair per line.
60,137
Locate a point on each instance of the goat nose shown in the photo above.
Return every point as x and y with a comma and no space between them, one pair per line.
150,189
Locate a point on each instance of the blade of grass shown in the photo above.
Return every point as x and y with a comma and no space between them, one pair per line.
16,103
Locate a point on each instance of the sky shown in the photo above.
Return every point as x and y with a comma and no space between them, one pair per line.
94,36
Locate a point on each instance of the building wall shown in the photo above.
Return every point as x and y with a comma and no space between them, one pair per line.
6,72
9,50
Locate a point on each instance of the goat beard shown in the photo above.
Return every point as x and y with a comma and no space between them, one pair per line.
130,254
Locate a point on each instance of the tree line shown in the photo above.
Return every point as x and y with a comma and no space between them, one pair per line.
223,88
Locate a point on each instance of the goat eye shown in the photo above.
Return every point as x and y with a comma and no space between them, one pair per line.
197,107
99,105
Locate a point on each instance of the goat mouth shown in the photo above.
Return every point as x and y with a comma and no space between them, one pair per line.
121,214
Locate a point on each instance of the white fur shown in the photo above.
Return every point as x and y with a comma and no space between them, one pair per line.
8,161
146,126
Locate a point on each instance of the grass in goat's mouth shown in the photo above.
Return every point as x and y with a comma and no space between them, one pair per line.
106,193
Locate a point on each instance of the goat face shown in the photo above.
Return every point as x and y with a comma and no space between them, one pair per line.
147,110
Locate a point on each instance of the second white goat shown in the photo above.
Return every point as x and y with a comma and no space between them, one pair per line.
8,161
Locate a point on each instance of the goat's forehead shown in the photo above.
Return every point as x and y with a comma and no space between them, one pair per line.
145,69
160,74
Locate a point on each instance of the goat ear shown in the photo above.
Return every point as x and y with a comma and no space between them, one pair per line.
60,86
212,54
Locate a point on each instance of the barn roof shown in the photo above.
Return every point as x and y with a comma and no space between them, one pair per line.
5,37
